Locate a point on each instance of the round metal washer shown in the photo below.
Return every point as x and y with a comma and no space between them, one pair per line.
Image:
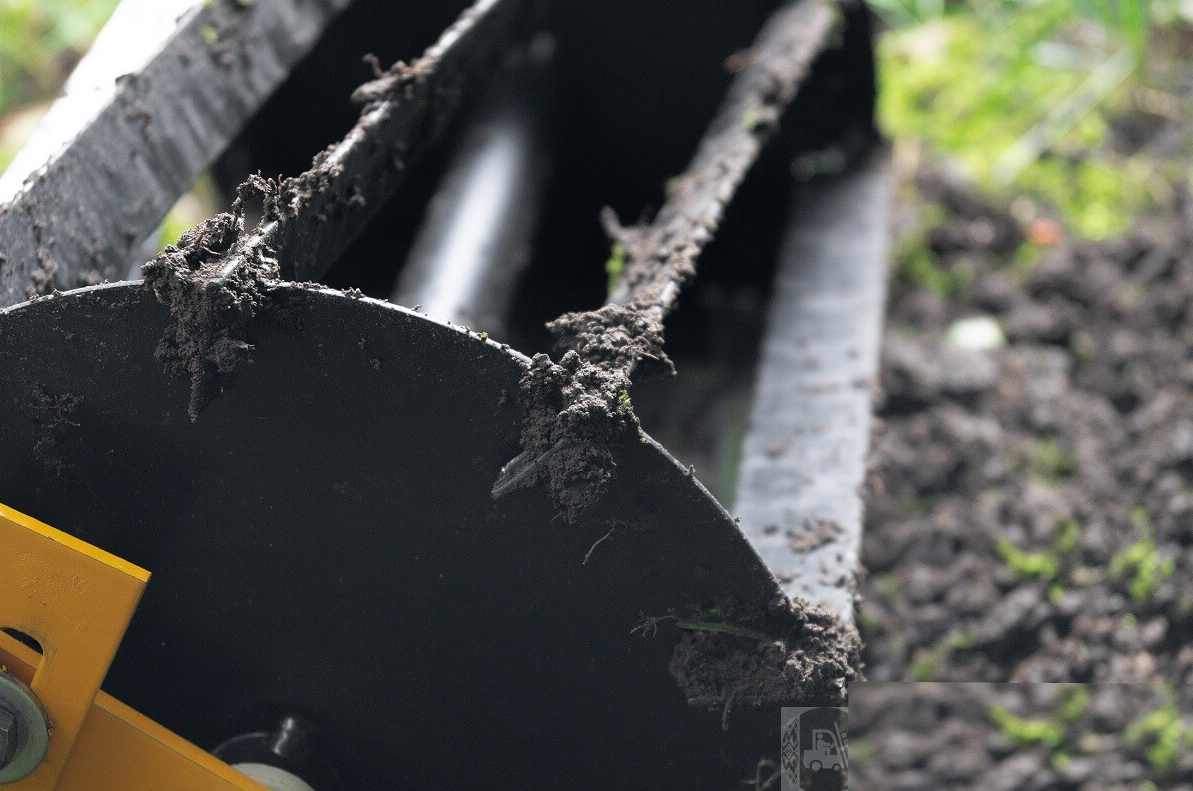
33,730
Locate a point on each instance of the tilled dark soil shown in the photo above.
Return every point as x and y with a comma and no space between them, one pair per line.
1019,737
1030,513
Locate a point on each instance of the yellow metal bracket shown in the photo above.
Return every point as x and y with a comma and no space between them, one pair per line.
76,601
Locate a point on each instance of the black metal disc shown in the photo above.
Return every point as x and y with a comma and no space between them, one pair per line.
323,541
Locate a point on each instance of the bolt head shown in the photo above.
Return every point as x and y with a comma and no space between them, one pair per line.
8,736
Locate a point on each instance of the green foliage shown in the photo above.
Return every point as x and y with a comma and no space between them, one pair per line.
1141,561
917,266
901,13
923,667
39,42
1073,703
975,80
1026,565
1044,565
36,36
1163,732
1068,532
1052,731
615,266
1028,733
1051,463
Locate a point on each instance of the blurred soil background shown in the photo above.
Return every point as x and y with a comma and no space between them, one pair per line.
1020,737
1029,515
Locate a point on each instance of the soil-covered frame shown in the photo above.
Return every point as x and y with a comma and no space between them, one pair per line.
222,277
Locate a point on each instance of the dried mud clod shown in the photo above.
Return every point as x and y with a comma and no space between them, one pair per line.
52,418
789,652
577,409
214,287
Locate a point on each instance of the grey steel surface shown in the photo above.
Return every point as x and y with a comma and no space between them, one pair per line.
122,144
805,448
322,539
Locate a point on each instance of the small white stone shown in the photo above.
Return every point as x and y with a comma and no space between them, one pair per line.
978,333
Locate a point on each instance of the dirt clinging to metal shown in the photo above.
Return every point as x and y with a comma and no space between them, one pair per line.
603,349
808,658
215,285
53,418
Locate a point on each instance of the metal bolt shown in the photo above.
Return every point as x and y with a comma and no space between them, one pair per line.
8,737
24,731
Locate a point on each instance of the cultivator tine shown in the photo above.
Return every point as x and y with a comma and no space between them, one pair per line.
405,110
805,449
661,257
166,86
214,279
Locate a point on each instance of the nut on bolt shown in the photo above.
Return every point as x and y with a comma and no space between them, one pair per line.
24,730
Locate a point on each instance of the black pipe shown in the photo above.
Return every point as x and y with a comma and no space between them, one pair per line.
476,238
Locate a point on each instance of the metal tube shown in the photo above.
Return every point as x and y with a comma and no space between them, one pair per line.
476,238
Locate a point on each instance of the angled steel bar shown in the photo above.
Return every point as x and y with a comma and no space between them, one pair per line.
661,257
215,280
805,448
161,93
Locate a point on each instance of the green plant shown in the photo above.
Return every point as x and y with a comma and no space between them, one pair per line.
1163,732
1028,733
1045,565
1050,462
1073,703
1052,731
923,667
1025,565
1002,88
39,41
917,266
615,266
1142,561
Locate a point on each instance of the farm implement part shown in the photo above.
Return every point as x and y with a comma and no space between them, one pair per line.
389,550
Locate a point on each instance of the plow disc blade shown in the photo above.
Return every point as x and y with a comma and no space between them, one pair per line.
323,541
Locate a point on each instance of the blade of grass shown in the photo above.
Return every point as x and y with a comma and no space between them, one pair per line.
1027,149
